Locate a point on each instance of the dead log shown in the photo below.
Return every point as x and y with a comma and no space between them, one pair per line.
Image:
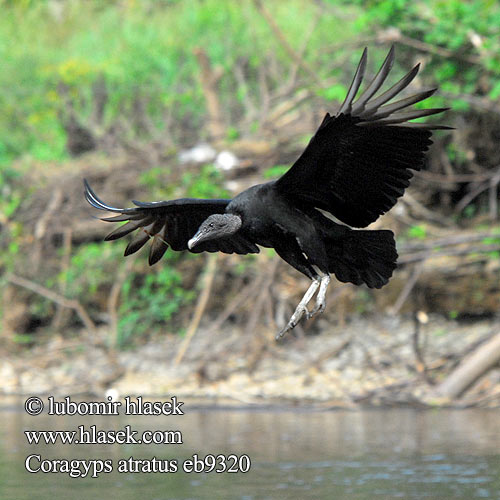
471,369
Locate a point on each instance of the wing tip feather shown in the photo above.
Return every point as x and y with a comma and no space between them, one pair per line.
95,201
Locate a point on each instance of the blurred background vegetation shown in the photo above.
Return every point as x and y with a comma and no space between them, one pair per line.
114,91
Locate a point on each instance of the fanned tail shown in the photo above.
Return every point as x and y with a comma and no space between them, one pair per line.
363,257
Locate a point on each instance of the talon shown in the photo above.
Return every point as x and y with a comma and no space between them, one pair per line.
287,328
318,309
301,309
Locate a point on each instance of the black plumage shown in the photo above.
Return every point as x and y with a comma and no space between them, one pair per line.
355,168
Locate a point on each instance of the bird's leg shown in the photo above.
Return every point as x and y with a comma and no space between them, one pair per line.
321,298
301,309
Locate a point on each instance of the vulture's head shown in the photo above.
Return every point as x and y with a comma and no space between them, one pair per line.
215,226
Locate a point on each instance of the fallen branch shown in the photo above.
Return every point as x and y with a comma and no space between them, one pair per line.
493,196
248,292
405,293
454,178
54,297
456,239
43,221
429,254
208,279
471,369
482,103
395,35
409,200
267,280
491,185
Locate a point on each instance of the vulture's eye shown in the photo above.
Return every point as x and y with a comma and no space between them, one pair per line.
211,224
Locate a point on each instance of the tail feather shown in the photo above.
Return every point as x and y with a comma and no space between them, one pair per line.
363,257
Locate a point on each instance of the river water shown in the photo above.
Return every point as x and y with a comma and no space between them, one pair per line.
293,454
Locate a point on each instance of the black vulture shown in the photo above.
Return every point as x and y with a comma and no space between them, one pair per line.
354,168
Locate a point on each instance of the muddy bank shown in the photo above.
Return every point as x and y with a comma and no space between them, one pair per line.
375,360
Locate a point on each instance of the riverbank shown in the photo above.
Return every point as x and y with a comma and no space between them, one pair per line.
378,360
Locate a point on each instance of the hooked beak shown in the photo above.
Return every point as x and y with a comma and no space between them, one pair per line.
195,240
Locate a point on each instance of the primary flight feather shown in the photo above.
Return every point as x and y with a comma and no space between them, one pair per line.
355,167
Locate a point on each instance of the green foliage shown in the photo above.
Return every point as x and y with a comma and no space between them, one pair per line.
417,231
89,269
335,92
440,332
455,154
232,133
158,183
276,171
149,297
363,301
494,254
468,31
23,338
10,194
149,301
204,184
244,263
58,55
469,211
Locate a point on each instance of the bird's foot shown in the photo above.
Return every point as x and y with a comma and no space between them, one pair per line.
321,298
301,309
296,317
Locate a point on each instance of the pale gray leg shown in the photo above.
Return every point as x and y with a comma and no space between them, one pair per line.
321,298
301,308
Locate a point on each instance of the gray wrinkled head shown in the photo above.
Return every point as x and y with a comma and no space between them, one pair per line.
215,226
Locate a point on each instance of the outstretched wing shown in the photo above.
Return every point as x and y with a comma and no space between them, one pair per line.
359,162
171,223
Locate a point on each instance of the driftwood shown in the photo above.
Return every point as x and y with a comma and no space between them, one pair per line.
470,369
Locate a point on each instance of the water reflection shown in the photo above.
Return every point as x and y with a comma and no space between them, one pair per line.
295,454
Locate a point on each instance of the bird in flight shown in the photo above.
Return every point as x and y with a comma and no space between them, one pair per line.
354,168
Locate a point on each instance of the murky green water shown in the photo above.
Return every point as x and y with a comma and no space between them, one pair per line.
365,454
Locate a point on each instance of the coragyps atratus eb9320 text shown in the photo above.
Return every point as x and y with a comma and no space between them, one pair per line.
355,167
